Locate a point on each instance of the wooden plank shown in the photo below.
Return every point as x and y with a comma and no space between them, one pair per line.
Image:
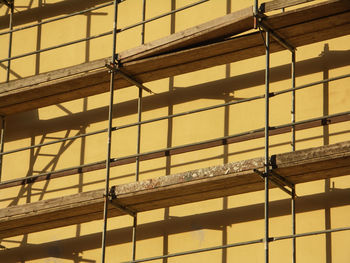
229,25
98,82
308,13
162,153
221,27
197,185
299,27
280,4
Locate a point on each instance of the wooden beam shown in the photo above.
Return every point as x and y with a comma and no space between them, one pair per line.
220,28
179,150
280,4
299,27
197,185
94,73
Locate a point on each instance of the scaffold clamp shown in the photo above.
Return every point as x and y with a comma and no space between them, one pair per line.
112,196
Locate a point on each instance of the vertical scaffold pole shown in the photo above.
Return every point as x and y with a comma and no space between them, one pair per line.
293,148
10,41
256,7
143,19
267,162
2,138
110,118
3,122
293,100
255,11
293,228
138,150
134,228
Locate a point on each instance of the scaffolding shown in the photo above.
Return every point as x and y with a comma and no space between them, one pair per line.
271,40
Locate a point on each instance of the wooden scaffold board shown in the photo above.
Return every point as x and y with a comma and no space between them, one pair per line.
192,186
213,43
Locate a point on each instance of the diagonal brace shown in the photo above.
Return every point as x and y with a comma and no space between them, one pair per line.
128,78
281,186
276,36
279,181
113,201
282,180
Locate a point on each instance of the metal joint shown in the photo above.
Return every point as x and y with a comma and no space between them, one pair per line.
325,122
279,181
112,67
262,8
112,196
273,161
9,3
270,239
117,57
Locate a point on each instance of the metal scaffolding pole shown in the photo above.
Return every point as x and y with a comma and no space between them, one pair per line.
2,135
256,12
182,114
144,20
190,252
245,243
110,118
185,113
138,149
293,148
293,100
56,19
293,227
12,3
134,227
57,46
91,37
162,15
238,137
267,162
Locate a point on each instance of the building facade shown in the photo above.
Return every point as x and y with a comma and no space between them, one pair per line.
209,65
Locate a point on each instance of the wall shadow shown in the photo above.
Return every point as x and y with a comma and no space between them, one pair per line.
29,124
216,220
48,10
37,155
21,125
168,164
162,168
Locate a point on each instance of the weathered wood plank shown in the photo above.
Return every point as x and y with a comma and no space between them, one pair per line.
218,28
162,153
202,184
280,4
90,87
299,27
229,25
309,13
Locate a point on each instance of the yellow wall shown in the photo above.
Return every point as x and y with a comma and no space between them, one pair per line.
215,222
